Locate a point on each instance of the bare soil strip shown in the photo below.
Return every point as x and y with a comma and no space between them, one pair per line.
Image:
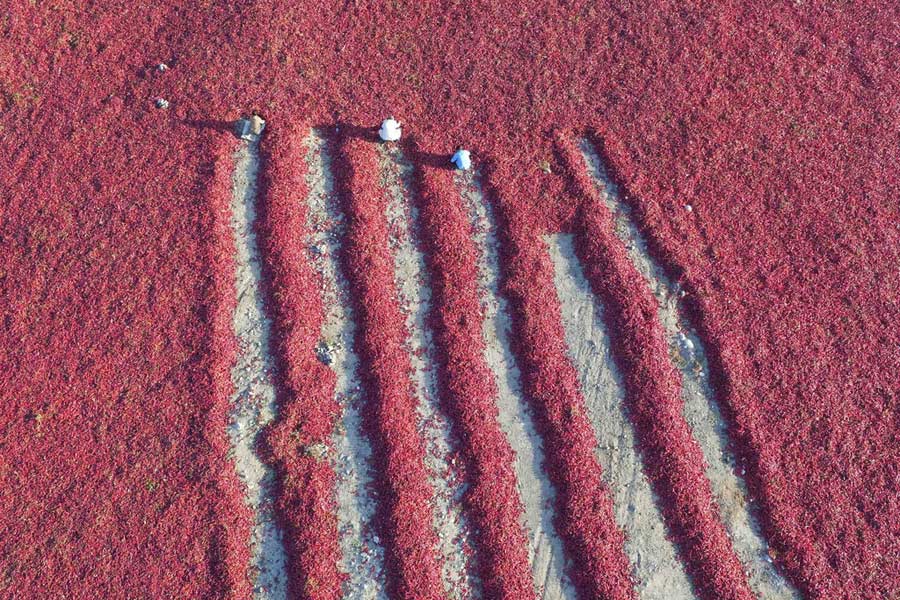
362,553
585,520
545,549
653,557
405,497
253,402
414,294
701,409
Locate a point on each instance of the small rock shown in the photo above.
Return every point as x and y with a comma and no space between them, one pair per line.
162,67
162,103
462,159
317,451
688,208
545,166
325,353
390,130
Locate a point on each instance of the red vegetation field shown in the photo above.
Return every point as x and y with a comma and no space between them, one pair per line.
777,124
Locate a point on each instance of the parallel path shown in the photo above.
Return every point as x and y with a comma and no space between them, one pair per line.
470,413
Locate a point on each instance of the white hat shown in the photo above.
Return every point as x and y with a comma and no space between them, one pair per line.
390,130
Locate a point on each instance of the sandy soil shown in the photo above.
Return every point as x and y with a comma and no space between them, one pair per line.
545,548
363,554
454,533
653,557
701,409
253,403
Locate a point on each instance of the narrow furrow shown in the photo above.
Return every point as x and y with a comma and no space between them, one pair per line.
672,458
701,408
253,400
515,417
468,386
405,496
229,546
414,290
362,553
299,440
585,518
654,560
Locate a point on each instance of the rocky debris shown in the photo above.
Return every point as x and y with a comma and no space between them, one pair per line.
326,353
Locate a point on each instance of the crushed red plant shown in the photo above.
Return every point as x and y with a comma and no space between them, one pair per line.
776,124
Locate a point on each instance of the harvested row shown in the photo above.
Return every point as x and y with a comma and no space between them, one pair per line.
362,553
585,512
253,399
672,458
389,293
516,417
405,495
447,476
307,407
468,387
228,553
653,557
701,408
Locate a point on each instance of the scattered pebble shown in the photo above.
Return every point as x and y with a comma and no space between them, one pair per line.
317,451
325,353
462,159
390,130
162,103
688,208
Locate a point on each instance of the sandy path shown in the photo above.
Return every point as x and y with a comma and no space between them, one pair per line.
253,402
361,548
413,290
653,557
701,409
545,548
